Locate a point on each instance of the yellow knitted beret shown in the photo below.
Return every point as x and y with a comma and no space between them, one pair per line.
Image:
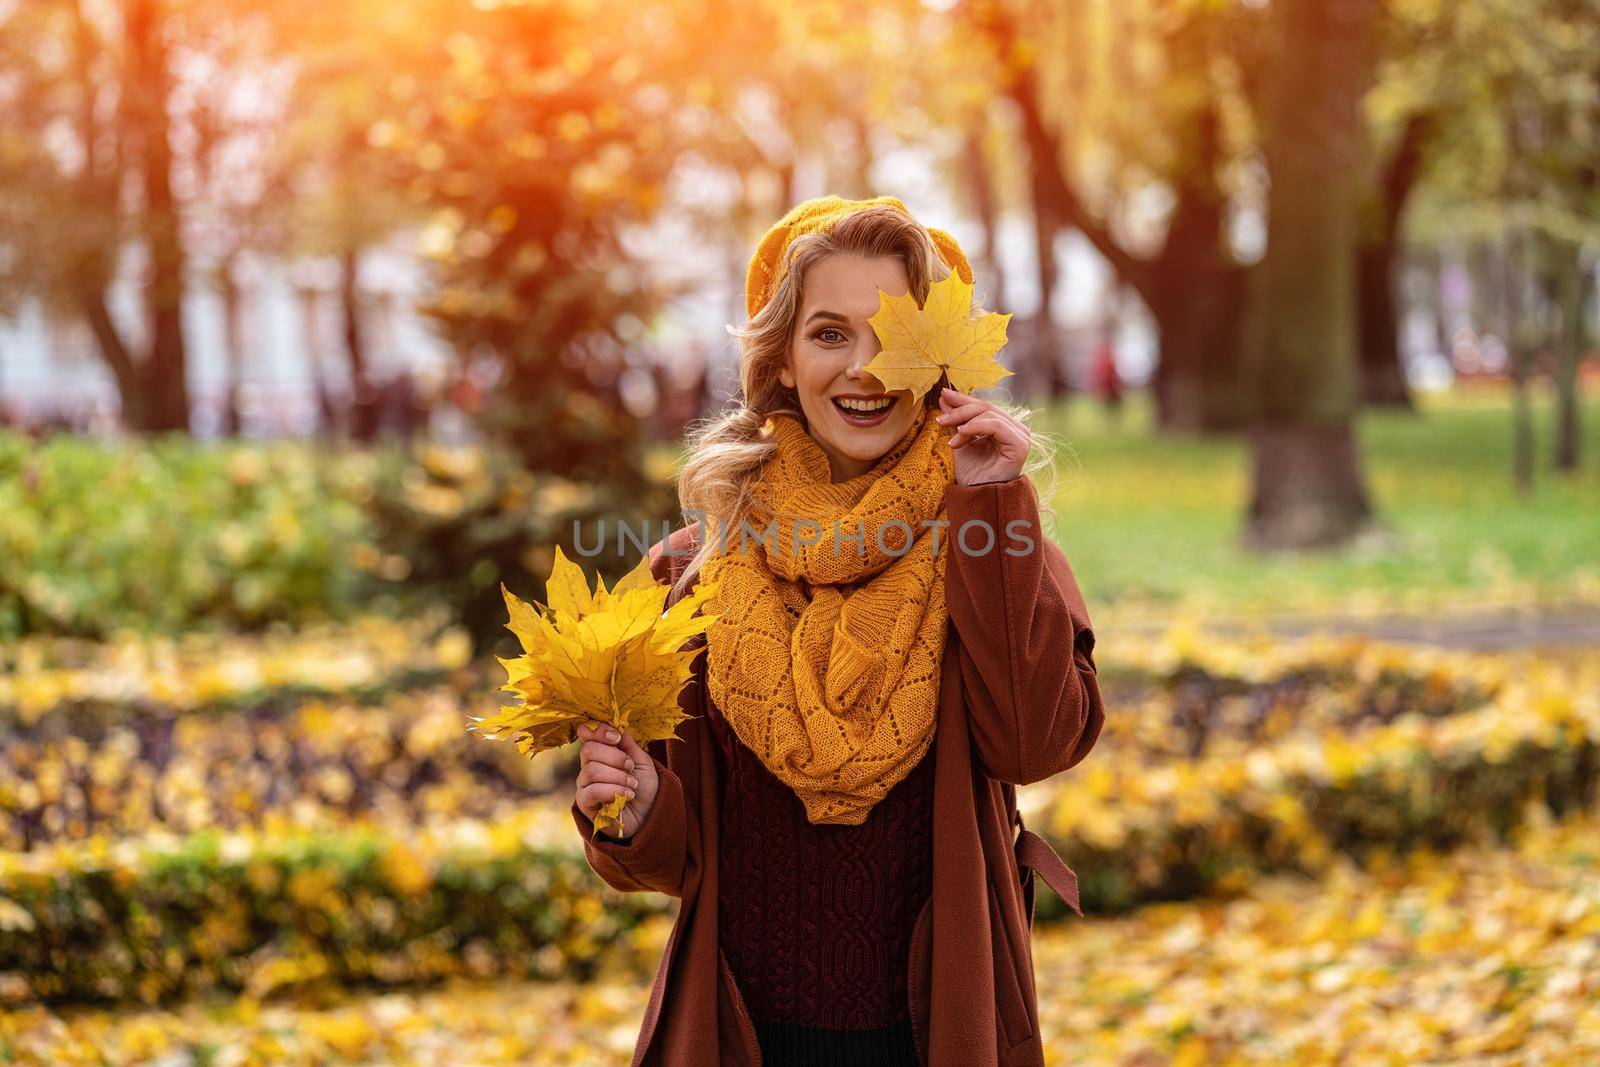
823,213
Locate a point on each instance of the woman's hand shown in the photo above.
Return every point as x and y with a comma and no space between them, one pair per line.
608,767
990,446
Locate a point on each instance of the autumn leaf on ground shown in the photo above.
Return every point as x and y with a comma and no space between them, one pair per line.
607,656
941,337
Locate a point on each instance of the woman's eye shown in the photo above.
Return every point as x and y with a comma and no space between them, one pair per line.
821,335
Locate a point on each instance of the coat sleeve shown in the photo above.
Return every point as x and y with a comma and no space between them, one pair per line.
1026,648
655,858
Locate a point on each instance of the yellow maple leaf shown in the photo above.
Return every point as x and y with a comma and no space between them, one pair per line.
608,656
941,337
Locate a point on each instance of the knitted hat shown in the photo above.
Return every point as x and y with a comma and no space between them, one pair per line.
823,213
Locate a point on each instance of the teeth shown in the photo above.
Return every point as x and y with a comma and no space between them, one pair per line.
864,405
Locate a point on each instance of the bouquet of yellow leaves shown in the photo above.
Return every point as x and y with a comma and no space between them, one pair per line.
607,657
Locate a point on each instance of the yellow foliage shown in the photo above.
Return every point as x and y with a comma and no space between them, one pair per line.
942,336
614,657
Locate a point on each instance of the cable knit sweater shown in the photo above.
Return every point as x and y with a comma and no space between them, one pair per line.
815,920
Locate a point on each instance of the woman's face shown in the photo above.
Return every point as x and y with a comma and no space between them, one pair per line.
847,410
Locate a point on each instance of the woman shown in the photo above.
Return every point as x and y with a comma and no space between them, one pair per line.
853,890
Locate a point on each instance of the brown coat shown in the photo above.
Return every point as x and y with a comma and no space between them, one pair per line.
1019,702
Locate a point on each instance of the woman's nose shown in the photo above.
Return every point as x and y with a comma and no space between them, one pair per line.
861,355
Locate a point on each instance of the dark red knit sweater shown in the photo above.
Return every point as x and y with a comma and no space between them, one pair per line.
816,920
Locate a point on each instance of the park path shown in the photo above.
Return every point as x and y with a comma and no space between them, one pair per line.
1496,629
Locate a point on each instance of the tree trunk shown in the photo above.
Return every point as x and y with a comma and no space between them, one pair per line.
327,414
165,369
1383,379
1049,360
1383,376
980,187
233,343
1196,295
1519,357
1572,283
1197,384
861,132
1308,489
126,373
95,245
1179,285
363,398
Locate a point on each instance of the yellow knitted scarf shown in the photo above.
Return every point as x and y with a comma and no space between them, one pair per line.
825,660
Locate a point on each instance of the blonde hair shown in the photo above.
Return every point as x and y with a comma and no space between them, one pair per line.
728,450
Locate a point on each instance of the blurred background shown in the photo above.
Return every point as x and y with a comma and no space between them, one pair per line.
319,321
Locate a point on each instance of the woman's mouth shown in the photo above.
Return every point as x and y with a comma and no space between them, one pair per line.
859,412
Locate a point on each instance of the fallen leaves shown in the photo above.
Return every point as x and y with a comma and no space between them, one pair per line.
1482,956
124,678
1251,751
1423,958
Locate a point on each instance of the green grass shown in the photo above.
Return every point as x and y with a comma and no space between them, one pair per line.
1152,522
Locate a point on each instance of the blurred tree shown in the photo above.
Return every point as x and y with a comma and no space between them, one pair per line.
235,211
1516,174
346,195
983,202
536,144
88,169
1520,340
1382,379
1302,365
525,144
147,89
129,130
1170,191
1069,69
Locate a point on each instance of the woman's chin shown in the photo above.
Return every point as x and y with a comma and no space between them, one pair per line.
867,443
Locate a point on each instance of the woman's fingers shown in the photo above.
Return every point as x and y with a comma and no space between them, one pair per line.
599,732
971,418
600,752
597,746
958,411
607,770
596,773
591,798
987,423
953,398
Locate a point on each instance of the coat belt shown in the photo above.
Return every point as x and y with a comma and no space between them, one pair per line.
1035,854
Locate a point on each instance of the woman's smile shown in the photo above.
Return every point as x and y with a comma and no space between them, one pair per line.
865,409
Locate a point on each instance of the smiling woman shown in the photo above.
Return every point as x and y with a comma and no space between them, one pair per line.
838,811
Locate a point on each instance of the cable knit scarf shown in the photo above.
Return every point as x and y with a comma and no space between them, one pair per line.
825,660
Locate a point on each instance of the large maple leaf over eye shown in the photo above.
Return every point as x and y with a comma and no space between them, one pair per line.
613,657
941,337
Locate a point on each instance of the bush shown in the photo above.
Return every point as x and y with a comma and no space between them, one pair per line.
167,534
171,535
1137,829
156,921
